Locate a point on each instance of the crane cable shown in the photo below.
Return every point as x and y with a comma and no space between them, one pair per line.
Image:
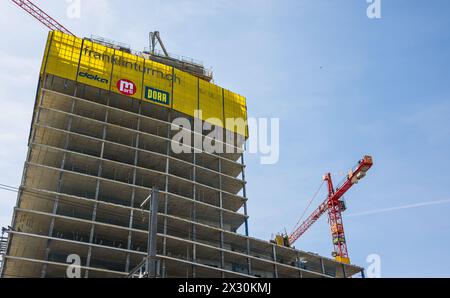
8,188
307,207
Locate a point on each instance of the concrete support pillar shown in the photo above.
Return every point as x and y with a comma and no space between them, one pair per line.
97,190
194,212
344,271
274,256
249,262
244,190
222,255
166,197
322,266
133,192
59,183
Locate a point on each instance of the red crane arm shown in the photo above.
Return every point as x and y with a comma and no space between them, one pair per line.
41,16
352,178
333,197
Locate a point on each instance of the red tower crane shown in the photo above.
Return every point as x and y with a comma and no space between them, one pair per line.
334,206
41,16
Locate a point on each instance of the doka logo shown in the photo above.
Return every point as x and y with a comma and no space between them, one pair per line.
126,87
93,77
156,95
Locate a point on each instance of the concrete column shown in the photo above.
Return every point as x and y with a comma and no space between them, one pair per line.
244,190
274,256
249,262
166,197
97,191
133,192
59,183
194,213
222,255
322,266
344,271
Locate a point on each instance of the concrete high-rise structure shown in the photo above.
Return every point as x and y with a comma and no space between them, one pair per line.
102,136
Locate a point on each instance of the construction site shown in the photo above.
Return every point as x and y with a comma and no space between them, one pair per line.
101,179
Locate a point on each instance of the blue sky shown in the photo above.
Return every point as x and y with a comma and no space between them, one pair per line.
342,85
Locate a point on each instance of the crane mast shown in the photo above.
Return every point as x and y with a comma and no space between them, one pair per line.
334,206
335,209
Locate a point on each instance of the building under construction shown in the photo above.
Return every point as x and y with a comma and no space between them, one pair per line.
102,138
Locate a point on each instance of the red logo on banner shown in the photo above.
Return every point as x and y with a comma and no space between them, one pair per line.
126,87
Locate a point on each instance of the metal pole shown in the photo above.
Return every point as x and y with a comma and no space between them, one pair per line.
152,234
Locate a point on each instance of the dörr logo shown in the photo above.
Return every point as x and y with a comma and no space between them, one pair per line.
126,87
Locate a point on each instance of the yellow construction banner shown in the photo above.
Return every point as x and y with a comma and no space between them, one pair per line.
131,75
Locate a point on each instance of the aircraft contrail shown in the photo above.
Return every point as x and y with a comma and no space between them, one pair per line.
410,206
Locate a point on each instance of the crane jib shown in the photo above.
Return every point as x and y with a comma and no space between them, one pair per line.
333,205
